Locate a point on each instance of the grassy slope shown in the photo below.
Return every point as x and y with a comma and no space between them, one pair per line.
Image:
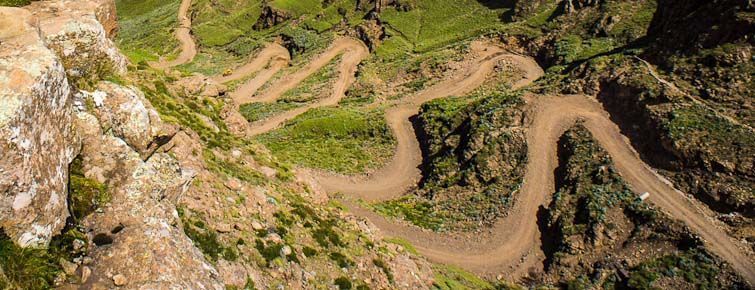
146,28
335,139
592,201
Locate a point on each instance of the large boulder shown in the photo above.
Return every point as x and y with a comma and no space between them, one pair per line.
72,29
132,118
136,239
36,138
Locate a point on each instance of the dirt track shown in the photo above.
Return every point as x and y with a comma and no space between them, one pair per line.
272,59
352,51
513,245
183,34
402,171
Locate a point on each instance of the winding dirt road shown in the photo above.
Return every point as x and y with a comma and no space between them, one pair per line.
352,53
513,245
266,64
183,34
402,172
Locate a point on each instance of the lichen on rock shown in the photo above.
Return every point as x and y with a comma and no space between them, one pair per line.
35,117
72,30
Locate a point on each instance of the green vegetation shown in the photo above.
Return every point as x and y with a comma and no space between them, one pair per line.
415,210
15,3
694,266
403,243
206,239
694,124
26,268
315,86
462,189
590,189
335,139
343,283
85,195
432,24
259,111
572,48
146,28
453,278
186,112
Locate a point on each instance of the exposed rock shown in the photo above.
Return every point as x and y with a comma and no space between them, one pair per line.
68,267
200,85
571,6
526,8
127,112
149,248
270,17
371,32
72,29
86,272
36,138
119,280
257,226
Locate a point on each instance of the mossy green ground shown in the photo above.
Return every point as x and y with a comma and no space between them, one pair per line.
341,140
37,268
146,28
14,3
435,23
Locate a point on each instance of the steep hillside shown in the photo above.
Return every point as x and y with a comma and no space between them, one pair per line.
377,144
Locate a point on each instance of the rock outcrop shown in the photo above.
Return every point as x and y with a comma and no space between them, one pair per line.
126,111
270,17
73,30
36,138
371,32
137,235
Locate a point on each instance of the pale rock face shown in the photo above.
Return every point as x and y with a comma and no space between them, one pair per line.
36,138
132,118
72,29
137,236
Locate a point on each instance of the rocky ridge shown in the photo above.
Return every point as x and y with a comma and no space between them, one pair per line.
116,133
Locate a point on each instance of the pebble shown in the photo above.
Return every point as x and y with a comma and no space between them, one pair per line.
68,267
78,244
223,228
119,280
285,251
85,273
273,237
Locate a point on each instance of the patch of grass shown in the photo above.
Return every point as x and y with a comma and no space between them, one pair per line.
335,139
694,266
298,7
435,23
573,48
146,28
15,3
453,278
343,283
403,243
694,124
206,239
85,195
313,87
341,260
417,211
27,268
